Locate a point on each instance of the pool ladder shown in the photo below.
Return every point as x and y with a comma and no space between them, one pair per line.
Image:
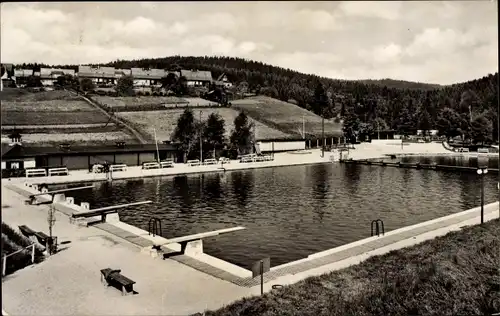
154,226
377,224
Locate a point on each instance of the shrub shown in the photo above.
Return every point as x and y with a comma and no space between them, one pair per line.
147,93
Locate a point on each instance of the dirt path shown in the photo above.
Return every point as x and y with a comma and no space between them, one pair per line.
116,120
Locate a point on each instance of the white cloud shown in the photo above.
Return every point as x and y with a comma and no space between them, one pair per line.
390,10
442,47
382,54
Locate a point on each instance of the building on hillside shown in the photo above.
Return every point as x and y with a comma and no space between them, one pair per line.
102,76
196,78
48,76
22,75
7,74
18,156
222,81
148,77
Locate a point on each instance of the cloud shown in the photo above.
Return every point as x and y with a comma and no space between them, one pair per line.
390,10
382,54
442,42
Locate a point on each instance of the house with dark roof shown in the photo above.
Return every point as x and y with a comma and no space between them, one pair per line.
102,75
21,76
18,156
6,75
48,76
196,78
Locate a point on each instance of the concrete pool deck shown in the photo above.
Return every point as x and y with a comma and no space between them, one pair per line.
166,286
312,156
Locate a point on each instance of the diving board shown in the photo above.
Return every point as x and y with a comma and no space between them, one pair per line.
193,244
32,197
103,211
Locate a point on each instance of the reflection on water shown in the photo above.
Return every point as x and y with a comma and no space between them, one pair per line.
291,212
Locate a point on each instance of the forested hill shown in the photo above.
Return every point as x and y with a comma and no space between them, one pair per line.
364,104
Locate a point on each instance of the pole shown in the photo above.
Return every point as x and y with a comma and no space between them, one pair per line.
261,277
156,143
482,198
33,253
4,265
303,127
322,136
201,142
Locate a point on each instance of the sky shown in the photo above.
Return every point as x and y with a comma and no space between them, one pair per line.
434,42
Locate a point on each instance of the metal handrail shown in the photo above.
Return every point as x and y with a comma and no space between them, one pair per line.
154,226
375,224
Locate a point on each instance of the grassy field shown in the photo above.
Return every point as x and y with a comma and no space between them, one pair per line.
47,106
52,118
14,94
285,116
166,121
456,274
118,102
71,137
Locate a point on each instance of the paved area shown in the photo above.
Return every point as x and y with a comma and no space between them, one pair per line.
68,283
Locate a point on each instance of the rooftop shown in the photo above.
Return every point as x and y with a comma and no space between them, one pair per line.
197,75
20,151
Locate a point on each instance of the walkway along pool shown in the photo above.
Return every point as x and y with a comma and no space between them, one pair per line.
292,212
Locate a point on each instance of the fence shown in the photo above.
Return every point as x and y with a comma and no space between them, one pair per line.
4,258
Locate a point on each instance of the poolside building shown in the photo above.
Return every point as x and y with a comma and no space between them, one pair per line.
18,156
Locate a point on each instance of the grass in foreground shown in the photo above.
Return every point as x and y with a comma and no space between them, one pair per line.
12,242
456,274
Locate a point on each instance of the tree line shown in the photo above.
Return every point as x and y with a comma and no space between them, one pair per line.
190,133
365,105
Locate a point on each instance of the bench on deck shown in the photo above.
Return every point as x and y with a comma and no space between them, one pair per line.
268,158
193,162
210,162
150,165
169,163
36,173
114,277
115,168
224,160
58,172
26,231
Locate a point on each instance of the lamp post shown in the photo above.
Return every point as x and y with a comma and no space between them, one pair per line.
482,172
201,141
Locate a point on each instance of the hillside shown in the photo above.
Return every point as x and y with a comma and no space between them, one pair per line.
384,104
165,121
286,117
54,117
396,104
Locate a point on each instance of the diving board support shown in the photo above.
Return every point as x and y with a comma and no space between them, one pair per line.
103,211
193,244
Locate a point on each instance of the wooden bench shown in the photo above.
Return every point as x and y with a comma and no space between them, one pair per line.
169,163
58,172
150,165
114,277
42,238
193,162
36,173
26,231
115,168
210,162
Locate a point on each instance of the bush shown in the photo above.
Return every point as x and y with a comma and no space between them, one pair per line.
147,93
139,93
